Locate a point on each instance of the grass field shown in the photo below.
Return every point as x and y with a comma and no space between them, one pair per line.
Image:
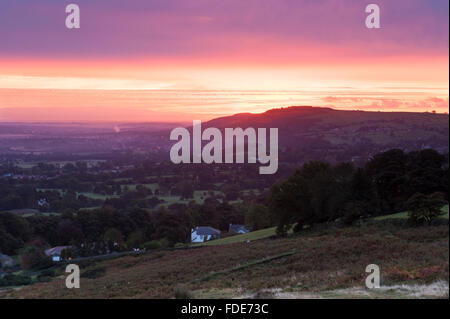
404,215
254,235
132,187
326,263
97,196
30,212
87,194
269,232
199,197
28,165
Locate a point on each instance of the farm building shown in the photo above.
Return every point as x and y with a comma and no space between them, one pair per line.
55,252
238,229
205,233
6,261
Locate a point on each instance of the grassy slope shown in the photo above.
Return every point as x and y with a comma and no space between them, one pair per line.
313,262
404,215
269,232
255,235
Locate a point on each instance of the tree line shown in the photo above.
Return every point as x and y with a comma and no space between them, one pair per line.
390,182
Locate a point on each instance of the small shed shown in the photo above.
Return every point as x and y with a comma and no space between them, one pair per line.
238,229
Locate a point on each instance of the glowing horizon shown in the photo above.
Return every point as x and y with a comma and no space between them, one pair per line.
202,59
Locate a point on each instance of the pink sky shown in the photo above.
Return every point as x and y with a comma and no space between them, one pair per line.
184,60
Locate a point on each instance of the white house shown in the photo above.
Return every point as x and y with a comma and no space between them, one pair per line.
6,261
55,252
42,202
202,234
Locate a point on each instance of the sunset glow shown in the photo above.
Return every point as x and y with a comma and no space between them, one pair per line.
201,59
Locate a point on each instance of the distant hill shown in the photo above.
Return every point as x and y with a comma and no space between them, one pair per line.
307,132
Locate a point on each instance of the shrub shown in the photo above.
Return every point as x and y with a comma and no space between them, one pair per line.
353,211
44,278
136,239
164,243
34,258
15,280
44,263
94,273
425,208
258,217
67,253
47,273
182,292
154,244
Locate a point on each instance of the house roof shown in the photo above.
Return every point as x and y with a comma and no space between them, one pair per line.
237,228
206,230
55,250
6,260
4,257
